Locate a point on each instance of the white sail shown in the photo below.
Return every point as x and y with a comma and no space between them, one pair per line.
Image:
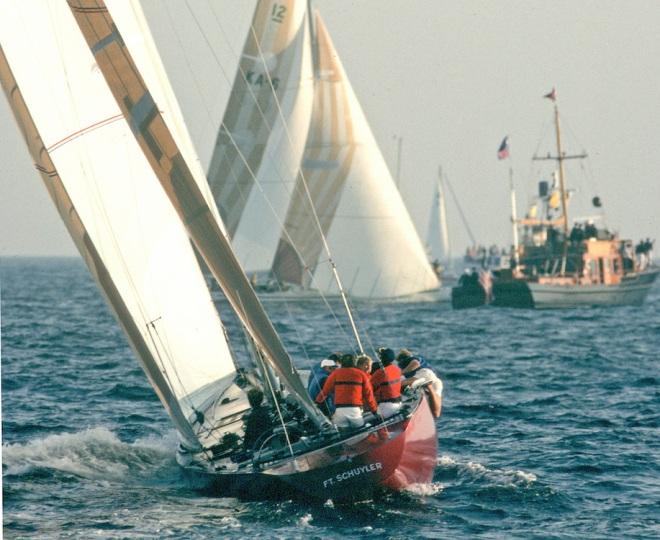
263,130
372,239
114,206
176,178
134,28
437,238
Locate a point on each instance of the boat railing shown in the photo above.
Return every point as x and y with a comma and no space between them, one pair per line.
326,441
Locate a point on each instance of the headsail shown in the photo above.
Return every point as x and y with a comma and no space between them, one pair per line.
275,72
176,178
373,240
108,196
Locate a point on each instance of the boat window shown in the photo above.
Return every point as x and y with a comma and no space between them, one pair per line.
616,266
601,270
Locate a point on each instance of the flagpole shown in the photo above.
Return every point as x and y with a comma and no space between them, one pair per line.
514,216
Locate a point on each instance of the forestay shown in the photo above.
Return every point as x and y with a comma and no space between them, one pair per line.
371,236
114,207
275,71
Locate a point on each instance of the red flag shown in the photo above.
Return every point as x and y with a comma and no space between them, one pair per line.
503,150
552,94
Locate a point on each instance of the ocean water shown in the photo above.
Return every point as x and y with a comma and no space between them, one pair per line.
550,425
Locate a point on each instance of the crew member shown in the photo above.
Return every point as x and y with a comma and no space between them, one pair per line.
387,384
415,367
317,378
258,422
352,390
364,363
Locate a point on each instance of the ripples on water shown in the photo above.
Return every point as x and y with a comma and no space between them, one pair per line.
549,427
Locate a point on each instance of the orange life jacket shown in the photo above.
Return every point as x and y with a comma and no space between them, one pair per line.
352,388
387,384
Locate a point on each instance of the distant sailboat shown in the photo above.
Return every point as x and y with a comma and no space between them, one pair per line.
116,167
345,184
261,139
437,237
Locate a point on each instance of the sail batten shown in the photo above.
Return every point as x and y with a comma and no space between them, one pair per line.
159,147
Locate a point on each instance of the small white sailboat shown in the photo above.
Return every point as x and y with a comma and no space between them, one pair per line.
114,159
345,189
437,236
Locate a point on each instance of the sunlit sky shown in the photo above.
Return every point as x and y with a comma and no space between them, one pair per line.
451,79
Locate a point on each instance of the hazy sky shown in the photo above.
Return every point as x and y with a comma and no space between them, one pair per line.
451,79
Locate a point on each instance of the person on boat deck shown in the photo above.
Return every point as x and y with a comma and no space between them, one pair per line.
416,367
387,384
364,363
317,378
352,390
257,422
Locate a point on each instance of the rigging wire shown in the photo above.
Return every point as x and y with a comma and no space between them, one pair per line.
326,247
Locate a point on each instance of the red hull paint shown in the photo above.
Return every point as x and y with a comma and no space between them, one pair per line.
419,451
405,453
395,458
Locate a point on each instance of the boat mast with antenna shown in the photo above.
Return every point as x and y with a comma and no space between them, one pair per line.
560,158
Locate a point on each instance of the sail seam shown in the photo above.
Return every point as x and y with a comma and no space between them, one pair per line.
84,131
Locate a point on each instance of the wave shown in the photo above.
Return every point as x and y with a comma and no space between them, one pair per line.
95,453
472,470
425,490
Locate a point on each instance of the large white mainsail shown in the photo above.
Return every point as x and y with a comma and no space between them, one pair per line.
115,209
255,159
372,238
177,180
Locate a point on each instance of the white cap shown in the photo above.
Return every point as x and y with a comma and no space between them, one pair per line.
326,362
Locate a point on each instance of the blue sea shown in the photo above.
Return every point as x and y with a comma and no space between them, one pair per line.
550,424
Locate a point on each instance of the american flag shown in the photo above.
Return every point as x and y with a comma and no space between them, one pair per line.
552,94
503,150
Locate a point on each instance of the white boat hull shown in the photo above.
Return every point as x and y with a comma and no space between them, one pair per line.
631,291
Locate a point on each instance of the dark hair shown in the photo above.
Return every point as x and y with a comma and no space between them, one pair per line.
347,360
376,366
335,356
255,397
386,355
403,361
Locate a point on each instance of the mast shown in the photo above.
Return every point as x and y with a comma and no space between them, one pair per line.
514,218
560,158
154,137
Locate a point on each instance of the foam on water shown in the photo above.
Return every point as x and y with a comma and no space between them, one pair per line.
95,453
425,490
306,520
475,470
